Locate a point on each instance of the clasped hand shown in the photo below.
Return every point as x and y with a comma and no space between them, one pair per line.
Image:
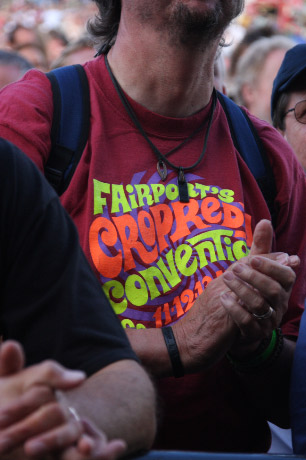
222,318
36,422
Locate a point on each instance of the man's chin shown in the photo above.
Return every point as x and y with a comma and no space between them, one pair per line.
197,21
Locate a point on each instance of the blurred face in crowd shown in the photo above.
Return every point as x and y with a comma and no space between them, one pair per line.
257,95
295,132
24,35
54,47
219,74
35,56
80,56
8,74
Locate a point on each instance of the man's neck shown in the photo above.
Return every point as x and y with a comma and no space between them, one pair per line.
170,81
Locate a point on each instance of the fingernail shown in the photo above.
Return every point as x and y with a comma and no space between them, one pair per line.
294,260
282,258
74,375
229,276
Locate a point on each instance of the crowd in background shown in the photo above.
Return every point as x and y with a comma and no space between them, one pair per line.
40,31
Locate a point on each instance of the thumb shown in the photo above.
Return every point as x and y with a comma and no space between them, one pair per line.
11,358
262,238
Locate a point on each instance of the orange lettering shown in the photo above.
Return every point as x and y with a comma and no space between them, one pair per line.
233,216
108,266
183,219
163,220
248,230
128,234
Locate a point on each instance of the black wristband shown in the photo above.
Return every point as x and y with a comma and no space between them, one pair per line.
174,354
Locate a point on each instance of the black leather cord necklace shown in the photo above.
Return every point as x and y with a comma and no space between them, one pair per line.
162,159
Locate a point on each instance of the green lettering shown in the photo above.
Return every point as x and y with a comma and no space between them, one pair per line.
216,236
171,276
143,191
183,256
191,191
203,189
200,248
119,198
226,195
137,295
172,192
115,289
158,190
99,202
125,323
240,249
132,197
229,251
149,275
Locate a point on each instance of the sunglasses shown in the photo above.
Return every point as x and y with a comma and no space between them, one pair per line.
299,112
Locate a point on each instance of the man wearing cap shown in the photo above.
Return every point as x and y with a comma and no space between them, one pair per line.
288,109
288,103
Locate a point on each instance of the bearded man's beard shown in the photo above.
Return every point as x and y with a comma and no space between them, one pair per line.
191,28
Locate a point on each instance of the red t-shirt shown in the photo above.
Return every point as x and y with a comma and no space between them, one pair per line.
153,254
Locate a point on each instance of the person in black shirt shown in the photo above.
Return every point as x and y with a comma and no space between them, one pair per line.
49,300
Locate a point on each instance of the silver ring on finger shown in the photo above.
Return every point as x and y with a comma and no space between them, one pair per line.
71,412
266,315
74,414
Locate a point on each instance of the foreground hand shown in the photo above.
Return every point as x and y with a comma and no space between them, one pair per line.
53,431
28,404
35,416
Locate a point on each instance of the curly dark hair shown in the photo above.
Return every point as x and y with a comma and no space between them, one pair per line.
104,26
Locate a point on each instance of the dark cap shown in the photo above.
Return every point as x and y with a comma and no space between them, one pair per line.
293,65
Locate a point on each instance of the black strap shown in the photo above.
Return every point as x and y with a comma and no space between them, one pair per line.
70,125
174,354
250,147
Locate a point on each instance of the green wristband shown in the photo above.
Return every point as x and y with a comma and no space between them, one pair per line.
263,359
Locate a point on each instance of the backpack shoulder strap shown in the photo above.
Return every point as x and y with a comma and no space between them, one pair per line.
250,147
70,125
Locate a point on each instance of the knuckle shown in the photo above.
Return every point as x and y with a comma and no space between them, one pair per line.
275,291
258,303
245,321
50,369
42,393
8,413
24,432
